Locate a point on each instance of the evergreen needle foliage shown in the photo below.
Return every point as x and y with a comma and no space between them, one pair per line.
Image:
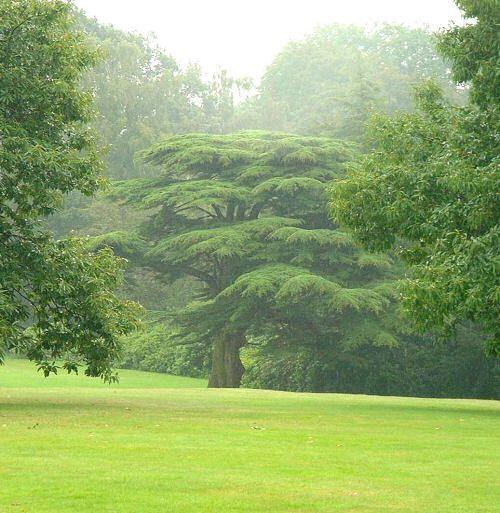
246,215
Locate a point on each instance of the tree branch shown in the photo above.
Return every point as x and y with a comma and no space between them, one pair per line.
218,211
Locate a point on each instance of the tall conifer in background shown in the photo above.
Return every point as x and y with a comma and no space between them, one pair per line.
246,216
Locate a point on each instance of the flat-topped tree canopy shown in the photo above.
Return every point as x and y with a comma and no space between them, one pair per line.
247,215
231,178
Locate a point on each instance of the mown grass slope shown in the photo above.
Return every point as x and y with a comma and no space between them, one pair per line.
157,444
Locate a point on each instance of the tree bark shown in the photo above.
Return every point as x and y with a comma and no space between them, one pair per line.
227,369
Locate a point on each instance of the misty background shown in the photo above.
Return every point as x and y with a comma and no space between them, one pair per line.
243,37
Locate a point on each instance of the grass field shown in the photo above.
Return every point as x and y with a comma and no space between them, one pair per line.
163,444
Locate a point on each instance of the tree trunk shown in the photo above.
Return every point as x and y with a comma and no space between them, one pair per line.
227,369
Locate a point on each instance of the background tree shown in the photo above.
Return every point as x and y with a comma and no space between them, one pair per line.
331,82
142,93
56,300
431,187
246,216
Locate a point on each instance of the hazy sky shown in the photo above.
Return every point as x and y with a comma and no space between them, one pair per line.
243,36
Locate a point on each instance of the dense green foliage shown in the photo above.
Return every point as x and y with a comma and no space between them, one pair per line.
246,215
417,366
56,300
156,349
431,187
331,82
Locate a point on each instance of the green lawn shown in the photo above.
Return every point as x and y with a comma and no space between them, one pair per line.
22,374
158,444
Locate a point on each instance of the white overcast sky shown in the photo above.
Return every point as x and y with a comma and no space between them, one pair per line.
243,36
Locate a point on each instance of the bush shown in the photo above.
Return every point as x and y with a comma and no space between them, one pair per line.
418,367
156,349
298,371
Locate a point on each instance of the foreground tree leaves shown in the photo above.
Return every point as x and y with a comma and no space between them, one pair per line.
56,299
431,187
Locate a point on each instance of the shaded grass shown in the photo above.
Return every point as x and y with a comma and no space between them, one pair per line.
79,446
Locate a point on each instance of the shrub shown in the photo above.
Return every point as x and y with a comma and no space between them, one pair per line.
156,349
